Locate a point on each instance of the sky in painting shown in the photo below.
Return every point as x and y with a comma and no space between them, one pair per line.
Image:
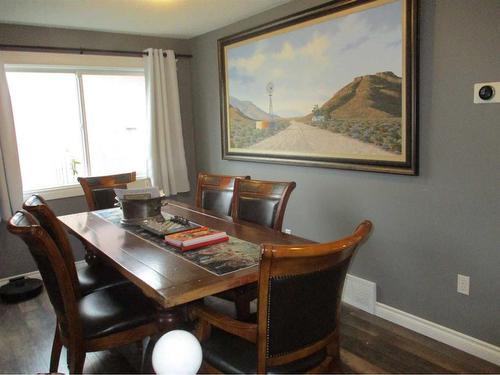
309,65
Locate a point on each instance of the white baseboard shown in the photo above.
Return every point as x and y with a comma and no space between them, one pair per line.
360,293
468,344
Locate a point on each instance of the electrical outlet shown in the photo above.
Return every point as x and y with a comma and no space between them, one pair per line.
463,284
288,231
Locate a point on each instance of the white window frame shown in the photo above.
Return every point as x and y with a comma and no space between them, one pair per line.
74,190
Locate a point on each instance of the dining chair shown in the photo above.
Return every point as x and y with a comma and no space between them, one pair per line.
101,320
297,323
88,277
215,192
99,190
261,202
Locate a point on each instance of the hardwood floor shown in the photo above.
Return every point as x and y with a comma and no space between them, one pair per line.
369,345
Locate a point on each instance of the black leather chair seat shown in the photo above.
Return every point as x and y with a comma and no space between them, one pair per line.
231,354
97,276
114,309
250,291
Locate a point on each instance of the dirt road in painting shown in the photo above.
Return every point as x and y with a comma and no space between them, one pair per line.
302,138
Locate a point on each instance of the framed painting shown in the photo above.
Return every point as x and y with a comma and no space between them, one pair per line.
333,86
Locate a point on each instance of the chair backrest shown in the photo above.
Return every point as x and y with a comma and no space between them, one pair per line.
99,191
37,206
215,192
261,202
300,288
52,267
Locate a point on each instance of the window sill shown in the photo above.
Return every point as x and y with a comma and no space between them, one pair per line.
56,192
62,191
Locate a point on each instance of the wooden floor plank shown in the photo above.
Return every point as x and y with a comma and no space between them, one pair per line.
358,365
383,354
454,357
441,360
368,345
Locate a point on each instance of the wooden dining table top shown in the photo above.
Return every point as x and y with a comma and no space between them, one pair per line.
162,275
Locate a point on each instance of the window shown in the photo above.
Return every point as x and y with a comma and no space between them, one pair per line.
72,122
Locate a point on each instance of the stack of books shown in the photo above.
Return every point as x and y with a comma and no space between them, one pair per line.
195,238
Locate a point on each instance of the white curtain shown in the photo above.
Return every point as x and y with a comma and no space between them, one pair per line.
11,188
167,165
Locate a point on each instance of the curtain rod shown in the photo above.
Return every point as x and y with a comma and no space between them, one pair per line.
81,51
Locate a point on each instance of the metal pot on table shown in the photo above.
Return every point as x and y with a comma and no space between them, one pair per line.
138,211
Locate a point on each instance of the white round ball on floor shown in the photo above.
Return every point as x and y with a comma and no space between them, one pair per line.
177,352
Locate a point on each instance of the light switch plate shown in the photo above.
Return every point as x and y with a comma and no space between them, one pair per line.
496,92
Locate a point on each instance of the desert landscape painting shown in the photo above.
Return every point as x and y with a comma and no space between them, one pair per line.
330,87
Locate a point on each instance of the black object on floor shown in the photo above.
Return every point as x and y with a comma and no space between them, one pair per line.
20,289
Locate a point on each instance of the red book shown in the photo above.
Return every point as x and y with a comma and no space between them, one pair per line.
213,242
194,238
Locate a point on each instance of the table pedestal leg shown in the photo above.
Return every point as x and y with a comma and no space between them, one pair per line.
168,320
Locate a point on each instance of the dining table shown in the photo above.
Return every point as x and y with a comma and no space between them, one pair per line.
165,274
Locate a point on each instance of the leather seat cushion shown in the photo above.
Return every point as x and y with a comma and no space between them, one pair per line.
247,292
97,276
228,308
114,309
221,305
231,354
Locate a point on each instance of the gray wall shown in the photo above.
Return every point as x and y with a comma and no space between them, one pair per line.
427,228
14,257
56,37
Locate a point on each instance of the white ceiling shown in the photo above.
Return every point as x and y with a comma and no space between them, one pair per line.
173,18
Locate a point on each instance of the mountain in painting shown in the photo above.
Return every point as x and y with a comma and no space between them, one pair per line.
374,96
238,117
236,114
250,110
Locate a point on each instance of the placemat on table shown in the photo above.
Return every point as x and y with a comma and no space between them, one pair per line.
219,259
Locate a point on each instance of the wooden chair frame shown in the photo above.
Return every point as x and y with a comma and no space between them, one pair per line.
89,184
25,225
285,260
263,189
38,207
47,219
217,182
